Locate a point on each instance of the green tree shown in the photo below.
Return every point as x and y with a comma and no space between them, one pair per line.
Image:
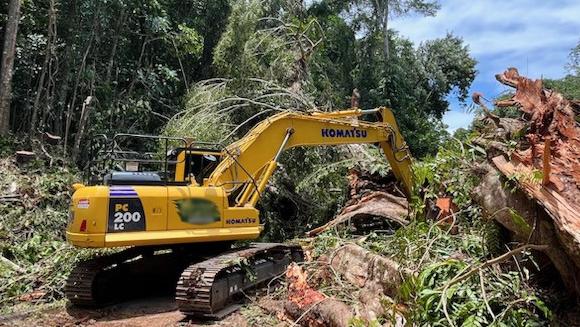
569,85
573,65
374,14
415,84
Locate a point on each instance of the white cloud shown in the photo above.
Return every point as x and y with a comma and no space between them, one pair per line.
533,36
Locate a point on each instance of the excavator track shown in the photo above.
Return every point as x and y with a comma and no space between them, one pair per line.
209,289
95,282
131,273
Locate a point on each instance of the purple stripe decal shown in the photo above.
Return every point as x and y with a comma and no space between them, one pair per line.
122,191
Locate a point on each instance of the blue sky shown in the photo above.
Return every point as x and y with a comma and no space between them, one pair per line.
531,35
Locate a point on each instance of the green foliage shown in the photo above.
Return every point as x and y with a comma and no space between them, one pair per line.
569,86
189,40
490,298
415,83
32,232
229,56
449,174
136,58
6,146
506,112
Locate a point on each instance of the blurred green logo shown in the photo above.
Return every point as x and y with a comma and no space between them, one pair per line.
197,211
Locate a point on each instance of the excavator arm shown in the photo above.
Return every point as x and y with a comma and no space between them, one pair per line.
251,161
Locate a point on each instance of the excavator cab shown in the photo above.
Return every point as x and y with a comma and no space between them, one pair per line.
133,159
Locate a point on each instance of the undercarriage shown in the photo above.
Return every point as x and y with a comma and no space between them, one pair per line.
208,280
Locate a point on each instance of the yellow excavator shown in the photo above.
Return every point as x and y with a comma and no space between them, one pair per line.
180,221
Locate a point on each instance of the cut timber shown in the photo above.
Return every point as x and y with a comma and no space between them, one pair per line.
24,156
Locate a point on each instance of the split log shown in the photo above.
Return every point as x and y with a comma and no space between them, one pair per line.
546,210
551,117
308,306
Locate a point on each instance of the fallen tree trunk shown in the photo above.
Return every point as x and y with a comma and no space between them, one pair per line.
381,204
366,269
374,277
370,196
528,222
544,205
377,277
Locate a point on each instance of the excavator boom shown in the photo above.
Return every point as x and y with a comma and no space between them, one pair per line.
248,158
248,162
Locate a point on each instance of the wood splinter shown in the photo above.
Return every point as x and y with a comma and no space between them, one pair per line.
546,163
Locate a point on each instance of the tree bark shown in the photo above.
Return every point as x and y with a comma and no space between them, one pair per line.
534,225
86,111
7,65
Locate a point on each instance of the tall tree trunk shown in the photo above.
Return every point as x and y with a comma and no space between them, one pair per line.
7,65
51,35
58,127
381,13
385,27
70,109
119,26
85,113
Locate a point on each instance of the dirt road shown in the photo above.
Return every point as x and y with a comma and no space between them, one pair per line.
151,312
